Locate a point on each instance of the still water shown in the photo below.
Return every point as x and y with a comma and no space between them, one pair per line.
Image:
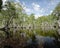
43,42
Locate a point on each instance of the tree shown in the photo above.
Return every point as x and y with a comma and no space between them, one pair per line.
0,5
9,14
32,21
56,13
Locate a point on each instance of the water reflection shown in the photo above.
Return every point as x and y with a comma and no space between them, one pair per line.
42,42
38,42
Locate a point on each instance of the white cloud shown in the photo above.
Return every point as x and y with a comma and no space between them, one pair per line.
51,11
23,3
42,10
36,7
25,8
17,1
38,15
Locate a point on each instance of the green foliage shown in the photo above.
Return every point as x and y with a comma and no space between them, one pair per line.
56,11
45,32
21,18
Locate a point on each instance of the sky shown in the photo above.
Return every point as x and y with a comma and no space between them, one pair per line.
38,7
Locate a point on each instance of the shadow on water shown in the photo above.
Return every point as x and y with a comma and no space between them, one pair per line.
7,46
50,43
40,42
32,43
43,42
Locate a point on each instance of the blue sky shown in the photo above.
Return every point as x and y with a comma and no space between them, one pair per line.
39,7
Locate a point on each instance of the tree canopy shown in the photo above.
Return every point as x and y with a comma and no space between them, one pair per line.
1,4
